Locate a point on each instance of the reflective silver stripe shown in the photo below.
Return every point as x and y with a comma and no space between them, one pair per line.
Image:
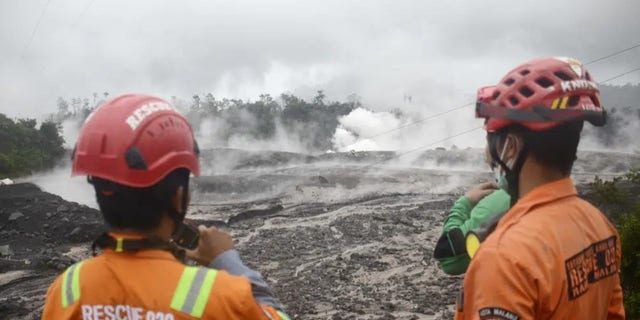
194,290
69,284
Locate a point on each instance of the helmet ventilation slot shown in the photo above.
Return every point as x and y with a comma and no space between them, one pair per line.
526,92
514,101
544,82
563,76
573,101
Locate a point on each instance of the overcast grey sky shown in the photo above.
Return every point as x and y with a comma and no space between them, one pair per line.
438,52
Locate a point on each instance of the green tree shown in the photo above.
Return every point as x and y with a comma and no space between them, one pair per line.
25,149
619,199
319,98
52,143
63,109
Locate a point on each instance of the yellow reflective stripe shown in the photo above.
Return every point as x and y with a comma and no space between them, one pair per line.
181,291
563,104
193,290
203,295
555,104
282,316
71,285
76,283
119,244
65,279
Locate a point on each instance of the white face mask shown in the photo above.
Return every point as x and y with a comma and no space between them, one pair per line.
498,172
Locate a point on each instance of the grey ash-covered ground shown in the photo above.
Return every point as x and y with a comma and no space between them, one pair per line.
39,236
338,236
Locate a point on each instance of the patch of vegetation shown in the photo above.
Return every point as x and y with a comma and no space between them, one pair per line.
629,229
25,148
313,122
622,193
607,191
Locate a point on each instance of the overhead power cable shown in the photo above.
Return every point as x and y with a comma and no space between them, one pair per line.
398,155
621,75
439,141
35,29
421,120
83,13
613,54
469,130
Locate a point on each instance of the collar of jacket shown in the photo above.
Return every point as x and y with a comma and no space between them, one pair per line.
149,253
541,195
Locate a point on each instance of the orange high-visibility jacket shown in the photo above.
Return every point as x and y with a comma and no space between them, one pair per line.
552,256
150,284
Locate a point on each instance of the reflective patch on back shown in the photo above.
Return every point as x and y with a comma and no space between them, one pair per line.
594,263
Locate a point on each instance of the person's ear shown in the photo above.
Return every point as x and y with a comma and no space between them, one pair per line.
176,200
514,146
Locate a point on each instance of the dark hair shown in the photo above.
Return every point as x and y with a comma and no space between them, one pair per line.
141,209
555,148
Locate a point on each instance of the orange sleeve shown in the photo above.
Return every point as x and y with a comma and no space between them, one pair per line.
616,308
238,301
497,287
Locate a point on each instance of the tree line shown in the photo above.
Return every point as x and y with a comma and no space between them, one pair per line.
314,121
26,148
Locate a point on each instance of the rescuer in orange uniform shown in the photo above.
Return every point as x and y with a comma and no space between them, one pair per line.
138,153
552,255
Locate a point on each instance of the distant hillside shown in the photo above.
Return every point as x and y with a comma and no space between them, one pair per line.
623,124
621,96
278,122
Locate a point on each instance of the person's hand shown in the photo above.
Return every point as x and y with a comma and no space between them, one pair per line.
477,192
213,242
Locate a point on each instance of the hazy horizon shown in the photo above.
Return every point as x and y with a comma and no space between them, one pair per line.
435,52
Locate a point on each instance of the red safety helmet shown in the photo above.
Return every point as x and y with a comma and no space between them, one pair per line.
135,140
540,95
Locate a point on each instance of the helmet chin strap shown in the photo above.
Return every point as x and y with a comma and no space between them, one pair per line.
512,174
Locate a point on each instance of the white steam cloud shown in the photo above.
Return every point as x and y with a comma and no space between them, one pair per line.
70,132
358,129
59,181
210,135
415,129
